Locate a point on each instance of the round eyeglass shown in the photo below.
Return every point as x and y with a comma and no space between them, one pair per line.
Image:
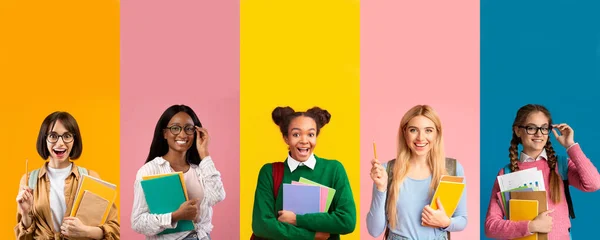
188,129
53,137
532,130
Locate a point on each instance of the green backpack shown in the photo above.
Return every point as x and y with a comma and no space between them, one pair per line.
33,176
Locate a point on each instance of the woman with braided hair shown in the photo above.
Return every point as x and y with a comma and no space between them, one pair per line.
531,129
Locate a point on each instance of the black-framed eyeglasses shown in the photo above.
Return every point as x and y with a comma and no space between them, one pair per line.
532,130
53,137
188,129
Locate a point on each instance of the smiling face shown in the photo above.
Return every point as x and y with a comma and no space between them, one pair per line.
420,135
59,142
301,137
179,132
534,143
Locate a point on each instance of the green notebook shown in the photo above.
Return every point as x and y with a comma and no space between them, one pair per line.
165,195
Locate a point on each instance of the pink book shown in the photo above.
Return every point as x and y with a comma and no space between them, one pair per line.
323,197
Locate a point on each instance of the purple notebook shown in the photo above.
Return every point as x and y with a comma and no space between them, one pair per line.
301,199
324,192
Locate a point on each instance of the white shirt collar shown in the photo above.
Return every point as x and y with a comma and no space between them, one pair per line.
526,158
293,163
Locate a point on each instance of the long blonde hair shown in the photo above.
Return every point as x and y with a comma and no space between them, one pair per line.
435,158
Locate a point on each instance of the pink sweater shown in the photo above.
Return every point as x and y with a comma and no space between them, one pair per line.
582,175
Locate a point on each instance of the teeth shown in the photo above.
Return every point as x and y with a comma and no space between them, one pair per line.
421,145
181,142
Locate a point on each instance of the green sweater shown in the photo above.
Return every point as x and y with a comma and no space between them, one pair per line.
341,218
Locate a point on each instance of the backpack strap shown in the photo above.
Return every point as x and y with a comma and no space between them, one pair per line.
277,177
507,169
82,170
563,167
451,166
390,172
277,173
33,177
563,171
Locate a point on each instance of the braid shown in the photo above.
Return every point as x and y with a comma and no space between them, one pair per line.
513,153
520,119
554,177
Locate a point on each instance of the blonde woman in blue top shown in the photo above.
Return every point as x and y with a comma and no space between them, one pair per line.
418,167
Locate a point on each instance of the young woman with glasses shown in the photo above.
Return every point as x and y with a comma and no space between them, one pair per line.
180,144
531,129
44,208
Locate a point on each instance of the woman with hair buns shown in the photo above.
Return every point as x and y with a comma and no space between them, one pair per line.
269,220
531,129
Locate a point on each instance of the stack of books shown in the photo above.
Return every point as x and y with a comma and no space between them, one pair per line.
164,194
305,196
522,197
449,191
93,200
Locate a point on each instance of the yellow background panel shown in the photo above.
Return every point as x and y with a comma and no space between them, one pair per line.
298,54
57,56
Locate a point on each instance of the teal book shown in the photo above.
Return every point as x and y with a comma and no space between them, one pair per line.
165,195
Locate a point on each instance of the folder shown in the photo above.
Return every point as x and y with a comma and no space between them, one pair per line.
524,210
456,179
164,195
330,192
539,196
449,194
531,177
501,203
323,198
506,196
301,199
99,187
180,174
91,209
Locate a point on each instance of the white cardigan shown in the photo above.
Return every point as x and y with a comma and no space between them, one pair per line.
142,221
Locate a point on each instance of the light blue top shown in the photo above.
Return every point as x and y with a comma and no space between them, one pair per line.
413,197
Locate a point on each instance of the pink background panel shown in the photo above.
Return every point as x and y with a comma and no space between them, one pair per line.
420,53
183,52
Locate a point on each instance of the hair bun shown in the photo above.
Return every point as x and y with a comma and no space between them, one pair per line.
280,113
322,115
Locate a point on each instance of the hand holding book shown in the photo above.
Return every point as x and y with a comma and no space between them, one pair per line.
542,223
166,193
187,211
435,218
73,227
287,217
